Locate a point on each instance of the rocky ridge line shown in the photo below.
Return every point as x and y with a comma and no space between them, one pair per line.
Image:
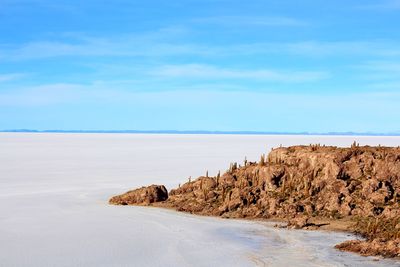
302,185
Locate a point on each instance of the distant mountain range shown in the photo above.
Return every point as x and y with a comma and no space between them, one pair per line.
200,132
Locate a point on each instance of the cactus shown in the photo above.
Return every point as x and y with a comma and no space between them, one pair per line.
262,160
354,144
283,188
257,178
233,167
205,192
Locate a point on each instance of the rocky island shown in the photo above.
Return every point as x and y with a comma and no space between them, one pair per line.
355,189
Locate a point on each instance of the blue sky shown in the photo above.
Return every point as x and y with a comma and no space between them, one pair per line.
317,66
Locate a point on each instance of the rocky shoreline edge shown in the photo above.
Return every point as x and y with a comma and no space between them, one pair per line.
355,189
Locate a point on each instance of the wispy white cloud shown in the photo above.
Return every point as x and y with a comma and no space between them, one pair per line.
160,42
388,86
100,48
290,108
42,95
214,72
166,42
10,77
251,21
379,48
382,75
57,93
382,66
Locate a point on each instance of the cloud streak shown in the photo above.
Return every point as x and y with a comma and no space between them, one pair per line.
10,77
214,72
155,47
251,21
378,48
220,110
100,48
383,75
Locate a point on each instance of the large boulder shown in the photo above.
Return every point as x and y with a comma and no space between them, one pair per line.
141,196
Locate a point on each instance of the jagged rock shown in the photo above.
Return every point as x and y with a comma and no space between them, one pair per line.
141,196
375,247
296,182
328,181
298,222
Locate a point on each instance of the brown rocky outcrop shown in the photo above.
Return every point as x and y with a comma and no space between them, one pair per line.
141,196
374,247
304,182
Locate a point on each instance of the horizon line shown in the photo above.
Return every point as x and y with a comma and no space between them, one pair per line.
202,132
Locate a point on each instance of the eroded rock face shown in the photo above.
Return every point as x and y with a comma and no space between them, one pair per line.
296,183
375,247
141,196
298,222
302,180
